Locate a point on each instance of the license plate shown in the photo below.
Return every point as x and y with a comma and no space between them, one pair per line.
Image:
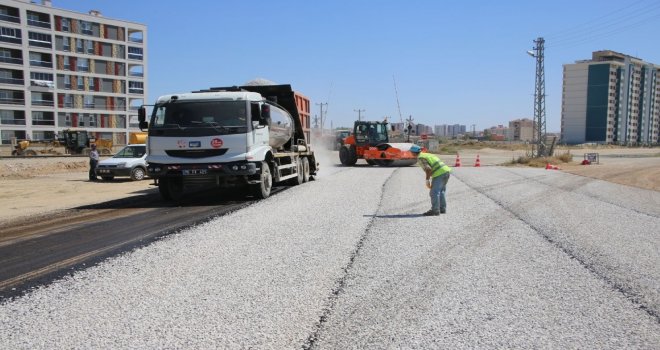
194,171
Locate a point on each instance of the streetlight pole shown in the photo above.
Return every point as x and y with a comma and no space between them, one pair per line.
359,111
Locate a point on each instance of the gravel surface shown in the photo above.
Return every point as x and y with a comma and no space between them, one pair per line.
524,258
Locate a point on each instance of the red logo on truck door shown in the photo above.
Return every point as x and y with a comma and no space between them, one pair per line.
216,143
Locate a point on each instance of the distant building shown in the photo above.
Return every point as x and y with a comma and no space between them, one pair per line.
61,69
521,130
449,131
612,98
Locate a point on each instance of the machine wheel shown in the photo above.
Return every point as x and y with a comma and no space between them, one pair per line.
305,163
107,178
299,170
262,189
14,153
137,174
370,161
30,153
347,155
170,188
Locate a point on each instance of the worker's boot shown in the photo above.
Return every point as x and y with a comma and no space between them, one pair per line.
432,213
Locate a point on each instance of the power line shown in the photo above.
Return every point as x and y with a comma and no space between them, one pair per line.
605,26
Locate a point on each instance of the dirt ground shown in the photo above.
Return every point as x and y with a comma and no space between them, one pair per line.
35,186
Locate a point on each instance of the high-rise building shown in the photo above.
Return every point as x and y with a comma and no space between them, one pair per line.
612,98
61,69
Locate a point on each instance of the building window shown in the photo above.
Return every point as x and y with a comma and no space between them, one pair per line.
86,27
66,24
79,46
135,53
136,87
67,81
83,65
39,39
81,83
90,46
89,101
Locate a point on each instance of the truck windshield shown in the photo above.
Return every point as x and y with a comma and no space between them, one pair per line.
201,118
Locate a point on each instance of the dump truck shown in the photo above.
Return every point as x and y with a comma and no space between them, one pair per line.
370,141
245,137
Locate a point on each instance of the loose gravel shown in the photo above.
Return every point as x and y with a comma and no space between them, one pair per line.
523,259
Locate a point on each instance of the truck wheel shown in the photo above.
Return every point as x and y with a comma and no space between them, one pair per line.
343,155
30,153
262,189
137,174
170,189
299,170
371,162
107,178
305,163
385,162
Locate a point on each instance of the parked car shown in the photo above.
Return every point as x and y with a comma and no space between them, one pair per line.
130,161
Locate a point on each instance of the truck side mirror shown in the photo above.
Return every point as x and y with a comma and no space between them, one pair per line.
142,118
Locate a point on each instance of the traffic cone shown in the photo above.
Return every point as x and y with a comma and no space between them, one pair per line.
478,163
458,161
548,166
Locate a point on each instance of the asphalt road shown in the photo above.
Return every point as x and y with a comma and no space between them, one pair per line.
524,258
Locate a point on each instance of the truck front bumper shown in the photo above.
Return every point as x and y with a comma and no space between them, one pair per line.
203,170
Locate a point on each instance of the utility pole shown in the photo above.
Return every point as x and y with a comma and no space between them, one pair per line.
409,127
321,114
359,111
539,99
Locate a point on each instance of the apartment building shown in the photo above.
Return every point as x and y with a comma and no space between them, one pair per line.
61,69
521,130
612,98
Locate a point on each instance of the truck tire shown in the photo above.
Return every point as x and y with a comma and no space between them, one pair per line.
371,162
298,180
170,188
263,188
30,153
137,174
305,163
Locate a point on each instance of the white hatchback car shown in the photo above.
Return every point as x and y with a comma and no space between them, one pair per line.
130,161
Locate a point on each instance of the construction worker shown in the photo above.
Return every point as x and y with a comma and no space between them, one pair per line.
93,162
437,175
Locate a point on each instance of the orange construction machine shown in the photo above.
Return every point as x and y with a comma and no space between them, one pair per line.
370,141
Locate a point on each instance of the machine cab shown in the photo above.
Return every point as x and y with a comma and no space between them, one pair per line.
369,133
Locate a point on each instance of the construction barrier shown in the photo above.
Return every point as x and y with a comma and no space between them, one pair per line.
549,166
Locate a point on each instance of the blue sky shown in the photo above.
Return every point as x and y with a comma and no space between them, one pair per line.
460,62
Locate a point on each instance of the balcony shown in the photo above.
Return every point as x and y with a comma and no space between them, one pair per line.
12,101
11,60
10,39
10,18
38,23
44,103
39,43
46,64
13,81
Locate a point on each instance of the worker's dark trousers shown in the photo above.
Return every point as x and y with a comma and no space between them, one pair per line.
92,169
